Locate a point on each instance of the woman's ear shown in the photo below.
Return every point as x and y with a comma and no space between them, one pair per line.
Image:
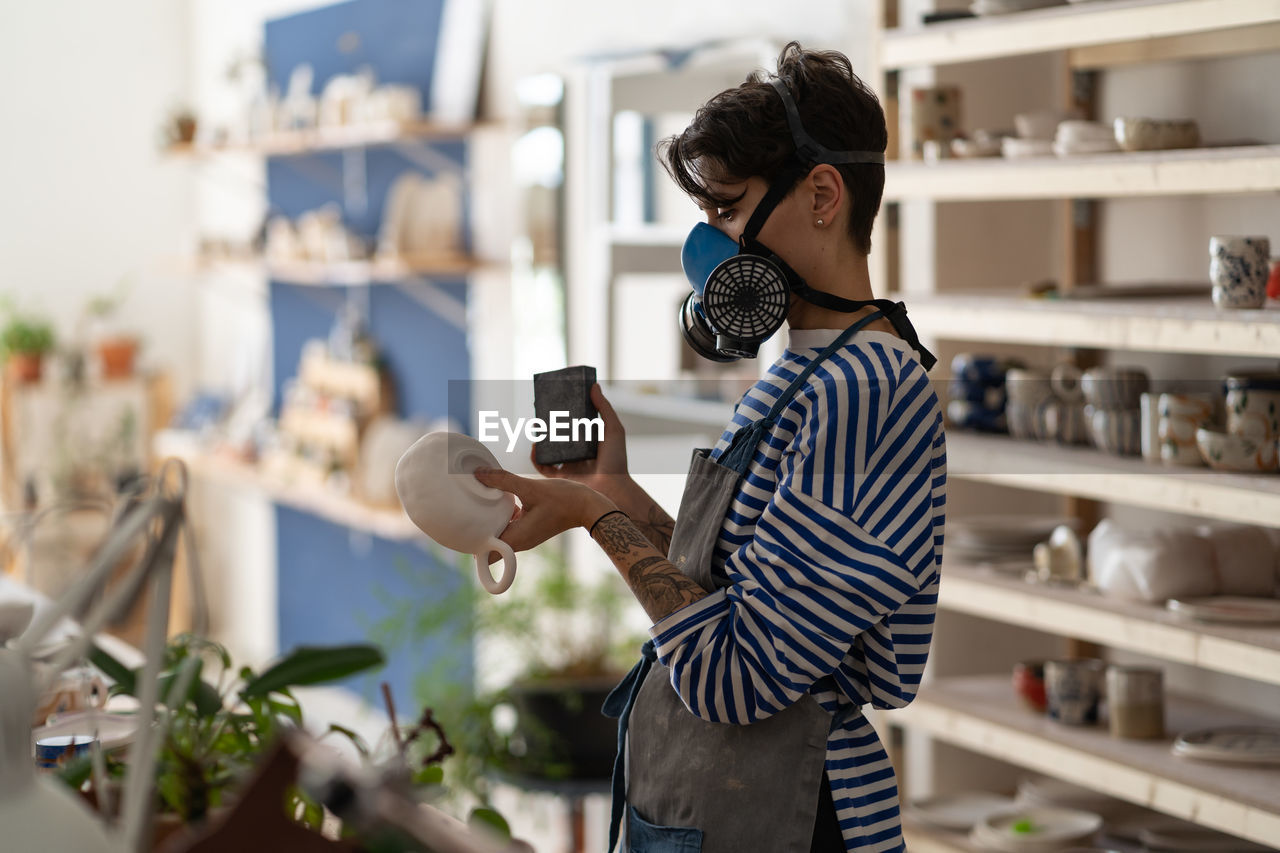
827,188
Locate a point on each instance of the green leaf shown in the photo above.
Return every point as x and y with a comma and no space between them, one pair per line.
358,742
314,665
430,775
490,820
113,669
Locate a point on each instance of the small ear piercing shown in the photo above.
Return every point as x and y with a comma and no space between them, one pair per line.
819,221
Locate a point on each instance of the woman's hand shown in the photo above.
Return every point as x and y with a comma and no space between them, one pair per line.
607,473
547,507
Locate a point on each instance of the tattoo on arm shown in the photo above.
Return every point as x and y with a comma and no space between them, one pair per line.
657,528
660,587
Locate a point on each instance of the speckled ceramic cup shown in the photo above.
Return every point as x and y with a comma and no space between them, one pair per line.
1238,269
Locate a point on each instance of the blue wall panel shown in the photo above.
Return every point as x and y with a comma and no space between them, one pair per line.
396,38
331,592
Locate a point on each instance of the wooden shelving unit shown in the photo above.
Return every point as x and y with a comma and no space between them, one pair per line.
1066,27
383,522
1179,324
1088,473
981,713
284,143
1249,652
1193,171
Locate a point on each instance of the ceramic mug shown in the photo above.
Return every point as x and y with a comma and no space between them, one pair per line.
1028,386
436,484
1116,431
1180,415
1073,689
1253,404
1114,387
1238,269
1135,701
1148,405
1028,683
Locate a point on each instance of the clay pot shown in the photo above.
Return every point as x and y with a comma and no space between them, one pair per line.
117,356
25,367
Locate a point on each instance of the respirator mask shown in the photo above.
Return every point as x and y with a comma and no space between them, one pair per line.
741,289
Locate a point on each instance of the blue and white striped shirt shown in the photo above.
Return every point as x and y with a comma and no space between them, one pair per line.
832,548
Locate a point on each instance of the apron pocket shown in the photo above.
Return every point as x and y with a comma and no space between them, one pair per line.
645,837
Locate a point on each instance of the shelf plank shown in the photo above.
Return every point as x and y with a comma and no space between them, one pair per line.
1087,473
1249,652
386,523
1193,171
981,713
285,143
1159,324
1064,27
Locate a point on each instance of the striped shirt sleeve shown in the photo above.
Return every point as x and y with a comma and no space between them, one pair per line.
845,540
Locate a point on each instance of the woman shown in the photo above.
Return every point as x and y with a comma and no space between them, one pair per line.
800,579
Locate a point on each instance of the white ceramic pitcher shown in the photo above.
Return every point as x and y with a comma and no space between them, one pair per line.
435,480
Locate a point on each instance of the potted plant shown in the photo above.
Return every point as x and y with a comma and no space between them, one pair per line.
117,349
25,340
222,725
571,644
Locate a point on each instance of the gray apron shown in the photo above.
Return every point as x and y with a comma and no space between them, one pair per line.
697,787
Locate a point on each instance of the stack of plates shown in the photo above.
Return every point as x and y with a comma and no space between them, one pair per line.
1014,148
1000,539
1035,830
1005,7
1084,137
1235,744
1046,792
958,812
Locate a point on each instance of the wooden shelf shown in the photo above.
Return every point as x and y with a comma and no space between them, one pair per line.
1062,27
1087,473
1249,652
1176,324
1193,171
383,522
284,143
349,273
981,713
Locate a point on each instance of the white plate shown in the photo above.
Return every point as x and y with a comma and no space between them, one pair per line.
1052,829
1228,608
113,729
1195,838
959,811
1237,744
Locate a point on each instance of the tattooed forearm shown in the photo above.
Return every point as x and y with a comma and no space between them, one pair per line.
657,528
617,535
660,587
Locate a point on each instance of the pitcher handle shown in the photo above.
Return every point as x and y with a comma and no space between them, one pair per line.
496,586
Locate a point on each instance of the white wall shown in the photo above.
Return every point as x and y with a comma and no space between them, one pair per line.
88,199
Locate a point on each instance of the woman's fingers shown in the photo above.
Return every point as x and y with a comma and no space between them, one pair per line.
498,478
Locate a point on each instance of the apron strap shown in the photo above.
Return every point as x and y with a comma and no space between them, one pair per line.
619,704
742,447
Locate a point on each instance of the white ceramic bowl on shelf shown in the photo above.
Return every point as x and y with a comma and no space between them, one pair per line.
1149,134
1224,451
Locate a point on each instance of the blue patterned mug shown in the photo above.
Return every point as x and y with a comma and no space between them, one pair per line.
1238,268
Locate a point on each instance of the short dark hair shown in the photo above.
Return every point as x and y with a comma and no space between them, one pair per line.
742,133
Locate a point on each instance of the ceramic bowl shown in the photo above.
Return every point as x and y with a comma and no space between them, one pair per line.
1149,134
1015,149
1225,451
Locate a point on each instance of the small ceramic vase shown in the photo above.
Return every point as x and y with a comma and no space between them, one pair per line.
436,482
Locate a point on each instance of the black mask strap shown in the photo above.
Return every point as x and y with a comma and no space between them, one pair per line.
808,149
782,184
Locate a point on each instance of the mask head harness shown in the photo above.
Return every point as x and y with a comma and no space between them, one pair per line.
742,290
